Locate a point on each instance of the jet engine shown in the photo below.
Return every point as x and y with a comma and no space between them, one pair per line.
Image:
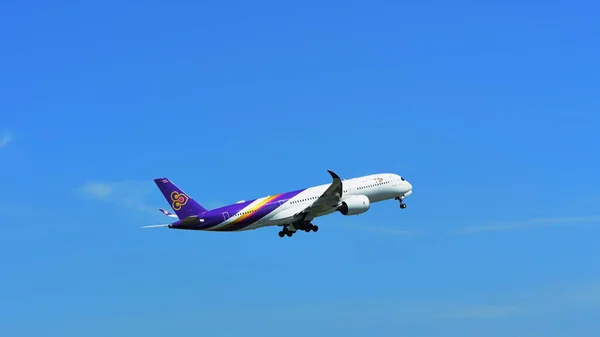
355,204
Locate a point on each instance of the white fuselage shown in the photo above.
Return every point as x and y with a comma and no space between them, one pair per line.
376,187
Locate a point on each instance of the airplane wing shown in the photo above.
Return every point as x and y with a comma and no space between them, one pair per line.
329,199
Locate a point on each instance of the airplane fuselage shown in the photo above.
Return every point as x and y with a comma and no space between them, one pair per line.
283,209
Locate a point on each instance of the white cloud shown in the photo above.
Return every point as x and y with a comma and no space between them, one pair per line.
130,194
5,139
97,190
539,301
528,224
583,295
492,306
481,311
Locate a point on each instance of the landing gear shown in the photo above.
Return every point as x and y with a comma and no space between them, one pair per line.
402,204
307,227
311,228
285,231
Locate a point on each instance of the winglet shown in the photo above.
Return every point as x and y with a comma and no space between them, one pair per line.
333,174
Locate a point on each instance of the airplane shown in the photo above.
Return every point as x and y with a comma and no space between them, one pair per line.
292,211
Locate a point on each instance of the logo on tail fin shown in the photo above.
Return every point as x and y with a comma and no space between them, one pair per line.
178,200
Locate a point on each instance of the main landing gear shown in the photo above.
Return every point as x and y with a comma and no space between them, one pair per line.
311,227
402,204
307,227
285,231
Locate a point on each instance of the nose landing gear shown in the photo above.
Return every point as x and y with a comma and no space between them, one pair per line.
402,204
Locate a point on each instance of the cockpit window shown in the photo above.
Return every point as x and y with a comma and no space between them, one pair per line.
402,178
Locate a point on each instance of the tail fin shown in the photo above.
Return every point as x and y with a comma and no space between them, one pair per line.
180,202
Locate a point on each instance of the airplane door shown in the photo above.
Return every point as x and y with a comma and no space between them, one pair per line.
281,202
225,215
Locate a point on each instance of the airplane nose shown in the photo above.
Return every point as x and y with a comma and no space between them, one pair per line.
409,185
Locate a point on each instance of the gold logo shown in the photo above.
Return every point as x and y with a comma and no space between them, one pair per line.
178,200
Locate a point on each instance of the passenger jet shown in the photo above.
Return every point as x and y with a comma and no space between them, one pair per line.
292,211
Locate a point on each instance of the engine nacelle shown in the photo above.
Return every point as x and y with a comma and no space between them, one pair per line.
355,204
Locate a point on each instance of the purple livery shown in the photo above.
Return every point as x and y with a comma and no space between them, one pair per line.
292,211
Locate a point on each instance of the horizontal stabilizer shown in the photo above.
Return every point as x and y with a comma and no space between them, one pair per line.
191,220
172,215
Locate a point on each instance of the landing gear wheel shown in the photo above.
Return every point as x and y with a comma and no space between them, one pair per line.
289,234
402,205
281,234
315,229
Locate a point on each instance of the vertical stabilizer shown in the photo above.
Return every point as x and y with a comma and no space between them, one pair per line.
180,202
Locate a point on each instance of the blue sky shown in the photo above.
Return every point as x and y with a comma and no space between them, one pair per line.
490,110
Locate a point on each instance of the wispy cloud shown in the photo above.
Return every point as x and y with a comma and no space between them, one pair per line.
491,306
98,190
5,138
500,305
583,295
540,301
131,194
527,224
481,311
416,316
